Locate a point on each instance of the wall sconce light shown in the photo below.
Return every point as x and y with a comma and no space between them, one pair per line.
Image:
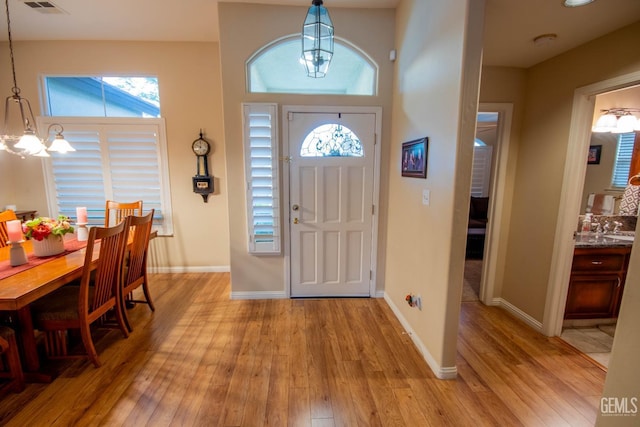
617,120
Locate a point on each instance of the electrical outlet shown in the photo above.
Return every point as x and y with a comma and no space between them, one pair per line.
426,196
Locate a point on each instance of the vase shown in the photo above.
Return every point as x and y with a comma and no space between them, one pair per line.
51,245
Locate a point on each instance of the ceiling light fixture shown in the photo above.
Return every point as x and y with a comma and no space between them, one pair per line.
577,3
19,133
317,40
617,120
545,39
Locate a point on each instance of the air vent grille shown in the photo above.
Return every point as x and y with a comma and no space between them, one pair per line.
44,7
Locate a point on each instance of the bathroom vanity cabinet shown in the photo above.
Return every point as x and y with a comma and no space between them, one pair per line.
597,282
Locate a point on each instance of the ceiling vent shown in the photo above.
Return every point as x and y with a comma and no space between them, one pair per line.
43,7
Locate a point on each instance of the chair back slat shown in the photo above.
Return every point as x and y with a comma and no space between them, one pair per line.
116,212
108,270
140,227
5,216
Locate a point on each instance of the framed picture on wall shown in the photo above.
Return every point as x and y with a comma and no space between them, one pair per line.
594,154
414,158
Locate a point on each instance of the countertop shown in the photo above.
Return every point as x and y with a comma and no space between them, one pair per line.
592,240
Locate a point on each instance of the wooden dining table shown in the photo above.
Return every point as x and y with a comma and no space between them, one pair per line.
19,289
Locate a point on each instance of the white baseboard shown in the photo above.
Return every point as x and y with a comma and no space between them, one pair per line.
443,373
519,314
259,295
187,269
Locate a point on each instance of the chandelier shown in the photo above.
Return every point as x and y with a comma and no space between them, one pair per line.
317,40
617,120
19,133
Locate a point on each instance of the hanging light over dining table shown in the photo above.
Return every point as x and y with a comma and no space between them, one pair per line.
19,132
317,40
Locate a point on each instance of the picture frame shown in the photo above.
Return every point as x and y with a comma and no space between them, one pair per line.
414,158
594,154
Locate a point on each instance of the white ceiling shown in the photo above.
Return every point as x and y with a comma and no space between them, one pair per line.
510,25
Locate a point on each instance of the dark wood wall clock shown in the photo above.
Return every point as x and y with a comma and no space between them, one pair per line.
202,181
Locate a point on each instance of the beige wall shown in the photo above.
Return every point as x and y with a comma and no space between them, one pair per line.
434,98
190,95
541,157
252,275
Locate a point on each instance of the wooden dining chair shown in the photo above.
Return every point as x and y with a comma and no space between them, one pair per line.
135,272
5,216
97,297
115,212
11,369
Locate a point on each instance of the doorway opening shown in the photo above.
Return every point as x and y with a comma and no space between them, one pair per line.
571,194
484,247
595,293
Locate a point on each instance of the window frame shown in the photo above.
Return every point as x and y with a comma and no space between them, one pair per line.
165,227
46,104
624,153
255,247
314,87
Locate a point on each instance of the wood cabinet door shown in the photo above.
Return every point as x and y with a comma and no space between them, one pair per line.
593,296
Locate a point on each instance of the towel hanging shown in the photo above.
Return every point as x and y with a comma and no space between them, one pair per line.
631,197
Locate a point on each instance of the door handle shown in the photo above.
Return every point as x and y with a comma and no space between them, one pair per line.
295,220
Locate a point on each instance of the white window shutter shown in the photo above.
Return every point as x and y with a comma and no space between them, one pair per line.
115,159
261,174
620,177
481,172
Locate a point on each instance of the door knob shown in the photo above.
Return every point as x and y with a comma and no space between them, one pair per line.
295,207
295,220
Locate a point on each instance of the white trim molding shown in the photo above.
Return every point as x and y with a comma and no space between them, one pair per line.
259,295
193,269
443,373
535,324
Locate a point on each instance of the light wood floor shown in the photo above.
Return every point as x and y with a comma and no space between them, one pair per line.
204,360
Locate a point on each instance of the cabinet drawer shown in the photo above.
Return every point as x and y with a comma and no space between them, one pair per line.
598,262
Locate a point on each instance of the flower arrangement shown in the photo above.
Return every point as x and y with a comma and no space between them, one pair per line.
42,227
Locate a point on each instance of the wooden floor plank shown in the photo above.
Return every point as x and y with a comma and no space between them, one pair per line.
203,359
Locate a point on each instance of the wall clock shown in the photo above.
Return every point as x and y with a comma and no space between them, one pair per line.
202,181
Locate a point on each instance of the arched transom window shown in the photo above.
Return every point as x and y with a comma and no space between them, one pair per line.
331,140
276,68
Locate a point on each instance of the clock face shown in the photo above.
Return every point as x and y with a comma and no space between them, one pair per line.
200,147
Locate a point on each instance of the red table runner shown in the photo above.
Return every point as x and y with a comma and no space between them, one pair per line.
70,245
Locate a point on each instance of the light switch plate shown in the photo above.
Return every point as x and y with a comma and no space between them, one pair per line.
426,195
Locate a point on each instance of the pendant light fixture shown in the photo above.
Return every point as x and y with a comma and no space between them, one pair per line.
317,40
19,134
618,120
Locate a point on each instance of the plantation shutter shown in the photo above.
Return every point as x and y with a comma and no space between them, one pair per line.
261,174
623,160
481,172
115,159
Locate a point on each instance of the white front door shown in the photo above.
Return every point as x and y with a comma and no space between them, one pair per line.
331,202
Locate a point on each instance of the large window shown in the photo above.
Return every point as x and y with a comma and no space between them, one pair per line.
276,68
121,151
102,96
622,164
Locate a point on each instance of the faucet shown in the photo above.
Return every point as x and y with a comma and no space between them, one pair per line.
616,229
